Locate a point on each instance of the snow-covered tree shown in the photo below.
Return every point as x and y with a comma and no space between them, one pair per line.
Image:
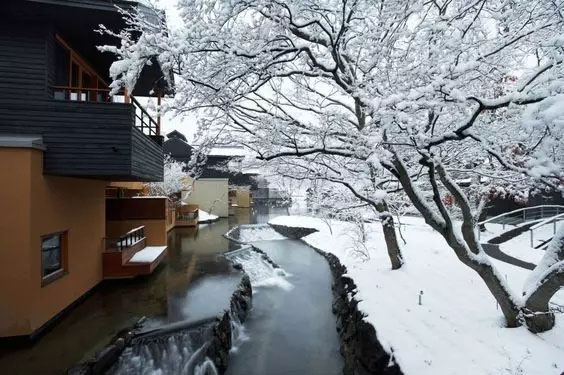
379,94
175,180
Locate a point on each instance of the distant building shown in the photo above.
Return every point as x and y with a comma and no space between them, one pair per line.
220,182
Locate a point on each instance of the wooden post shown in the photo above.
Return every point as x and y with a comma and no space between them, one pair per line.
159,111
126,97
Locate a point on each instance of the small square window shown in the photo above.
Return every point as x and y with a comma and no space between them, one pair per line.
52,256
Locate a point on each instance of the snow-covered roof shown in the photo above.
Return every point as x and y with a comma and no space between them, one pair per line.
251,171
228,151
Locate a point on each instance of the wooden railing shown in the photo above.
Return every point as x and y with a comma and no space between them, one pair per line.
187,212
81,94
129,239
143,120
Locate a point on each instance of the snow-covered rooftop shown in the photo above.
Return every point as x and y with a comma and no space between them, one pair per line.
228,151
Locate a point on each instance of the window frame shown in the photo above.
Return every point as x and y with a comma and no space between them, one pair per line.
63,248
99,92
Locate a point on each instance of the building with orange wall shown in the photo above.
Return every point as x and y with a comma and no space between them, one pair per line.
65,144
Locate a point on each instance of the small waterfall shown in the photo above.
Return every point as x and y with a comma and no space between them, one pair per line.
248,233
189,348
238,333
175,353
261,270
206,368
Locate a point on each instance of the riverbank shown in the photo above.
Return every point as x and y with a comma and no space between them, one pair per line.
429,313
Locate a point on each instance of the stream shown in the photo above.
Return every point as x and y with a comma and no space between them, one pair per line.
289,330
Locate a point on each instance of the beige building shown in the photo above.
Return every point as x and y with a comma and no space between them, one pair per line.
211,194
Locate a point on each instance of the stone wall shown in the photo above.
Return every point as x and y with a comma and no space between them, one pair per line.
361,350
292,232
360,347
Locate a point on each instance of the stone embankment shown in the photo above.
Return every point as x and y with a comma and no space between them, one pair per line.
362,352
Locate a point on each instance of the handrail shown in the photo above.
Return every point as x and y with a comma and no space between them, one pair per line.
552,219
134,230
69,90
520,210
147,124
143,120
126,240
547,221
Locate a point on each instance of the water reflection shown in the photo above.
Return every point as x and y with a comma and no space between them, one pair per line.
173,292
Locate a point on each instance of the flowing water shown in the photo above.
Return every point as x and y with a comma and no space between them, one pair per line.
177,290
180,348
290,329
260,270
181,352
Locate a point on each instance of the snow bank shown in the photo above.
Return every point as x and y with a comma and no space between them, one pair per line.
205,217
458,328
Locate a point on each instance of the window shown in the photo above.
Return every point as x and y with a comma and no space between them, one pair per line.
75,80
53,256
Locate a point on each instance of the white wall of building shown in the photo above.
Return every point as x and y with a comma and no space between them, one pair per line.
211,194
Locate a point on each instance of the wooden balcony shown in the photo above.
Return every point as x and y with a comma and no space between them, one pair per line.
88,139
187,215
128,256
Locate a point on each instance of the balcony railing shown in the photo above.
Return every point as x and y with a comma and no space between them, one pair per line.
79,94
187,214
127,240
143,120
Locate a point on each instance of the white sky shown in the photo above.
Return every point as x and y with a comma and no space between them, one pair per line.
187,125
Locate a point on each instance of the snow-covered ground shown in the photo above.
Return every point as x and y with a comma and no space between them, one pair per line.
205,217
458,328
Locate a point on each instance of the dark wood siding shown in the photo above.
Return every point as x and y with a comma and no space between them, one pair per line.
94,140
146,157
23,55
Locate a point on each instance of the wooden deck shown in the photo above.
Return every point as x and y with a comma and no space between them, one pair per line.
121,264
187,215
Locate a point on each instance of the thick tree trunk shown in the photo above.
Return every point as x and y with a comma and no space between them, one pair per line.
467,248
492,280
547,279
394,250
536,312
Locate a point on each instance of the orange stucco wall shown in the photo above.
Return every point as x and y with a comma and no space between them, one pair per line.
34,205
127,185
